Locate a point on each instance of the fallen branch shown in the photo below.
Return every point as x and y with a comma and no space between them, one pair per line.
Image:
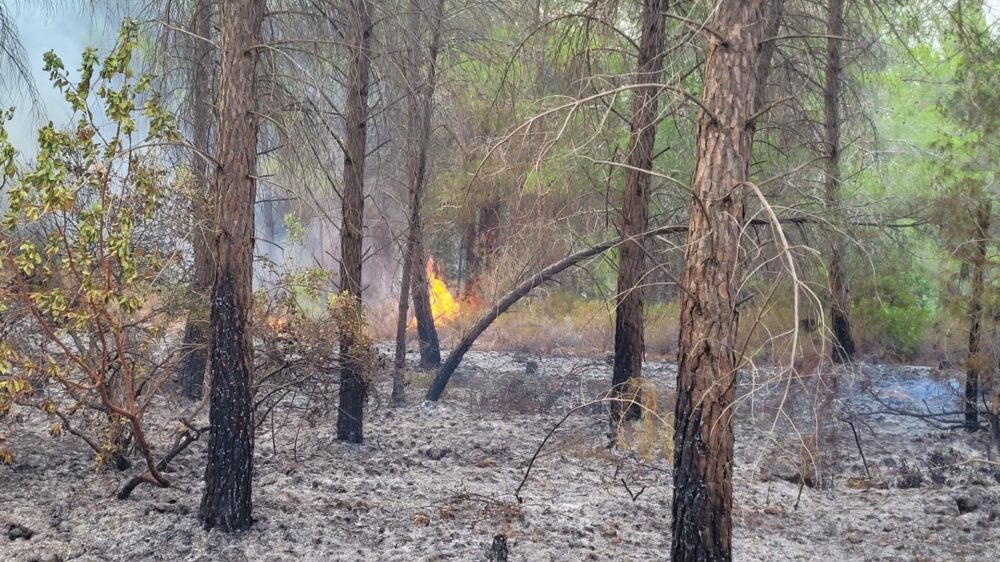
190,435
634,496
857,441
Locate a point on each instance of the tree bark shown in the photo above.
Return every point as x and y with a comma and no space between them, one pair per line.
192,373
840,292
427,336
774,10
976,360
629,336
227,502
420,109
468,219
353,386
448,368
481,238
707,360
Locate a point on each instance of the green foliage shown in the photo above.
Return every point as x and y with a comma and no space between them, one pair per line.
80,264
896,310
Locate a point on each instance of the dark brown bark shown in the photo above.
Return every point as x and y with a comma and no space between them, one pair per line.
353,385
227,502
420,110
471,258
773,11
480,239
976,361
192,372
469,337
629,336
840,292
707,359
488,235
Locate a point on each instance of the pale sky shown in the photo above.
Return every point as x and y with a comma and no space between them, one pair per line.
65,30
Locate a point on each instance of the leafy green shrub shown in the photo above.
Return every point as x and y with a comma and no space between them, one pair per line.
896,311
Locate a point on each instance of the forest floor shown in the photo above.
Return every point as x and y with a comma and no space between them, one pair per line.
436,482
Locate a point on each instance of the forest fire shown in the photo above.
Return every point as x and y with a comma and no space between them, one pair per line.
444,307
276,322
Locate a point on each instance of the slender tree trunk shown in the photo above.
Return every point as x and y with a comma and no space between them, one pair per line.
629,336
707,360
471,270
270,226
774,10
421,113
976,360
427,336
192,373
227,501
481,238
353,386
118,435
840,292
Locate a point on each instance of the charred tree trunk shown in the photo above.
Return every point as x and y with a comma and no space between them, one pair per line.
469,337
227,501
192,373
707,360
427,336
840,292
629,336
353,386
420,111
976,360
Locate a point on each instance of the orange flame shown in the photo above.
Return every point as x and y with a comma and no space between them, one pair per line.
444,307
276,323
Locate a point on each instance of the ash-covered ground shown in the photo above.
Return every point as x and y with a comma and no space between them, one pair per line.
436,482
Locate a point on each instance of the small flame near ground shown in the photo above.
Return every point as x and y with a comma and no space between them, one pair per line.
444,307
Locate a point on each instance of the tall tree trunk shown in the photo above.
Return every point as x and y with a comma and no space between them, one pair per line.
840,292
976,360
420,109
228,475
192,373
707,360
353,386
629,336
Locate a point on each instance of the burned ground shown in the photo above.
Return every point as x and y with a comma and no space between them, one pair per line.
437,481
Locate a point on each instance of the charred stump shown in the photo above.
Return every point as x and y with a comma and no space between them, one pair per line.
499,549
